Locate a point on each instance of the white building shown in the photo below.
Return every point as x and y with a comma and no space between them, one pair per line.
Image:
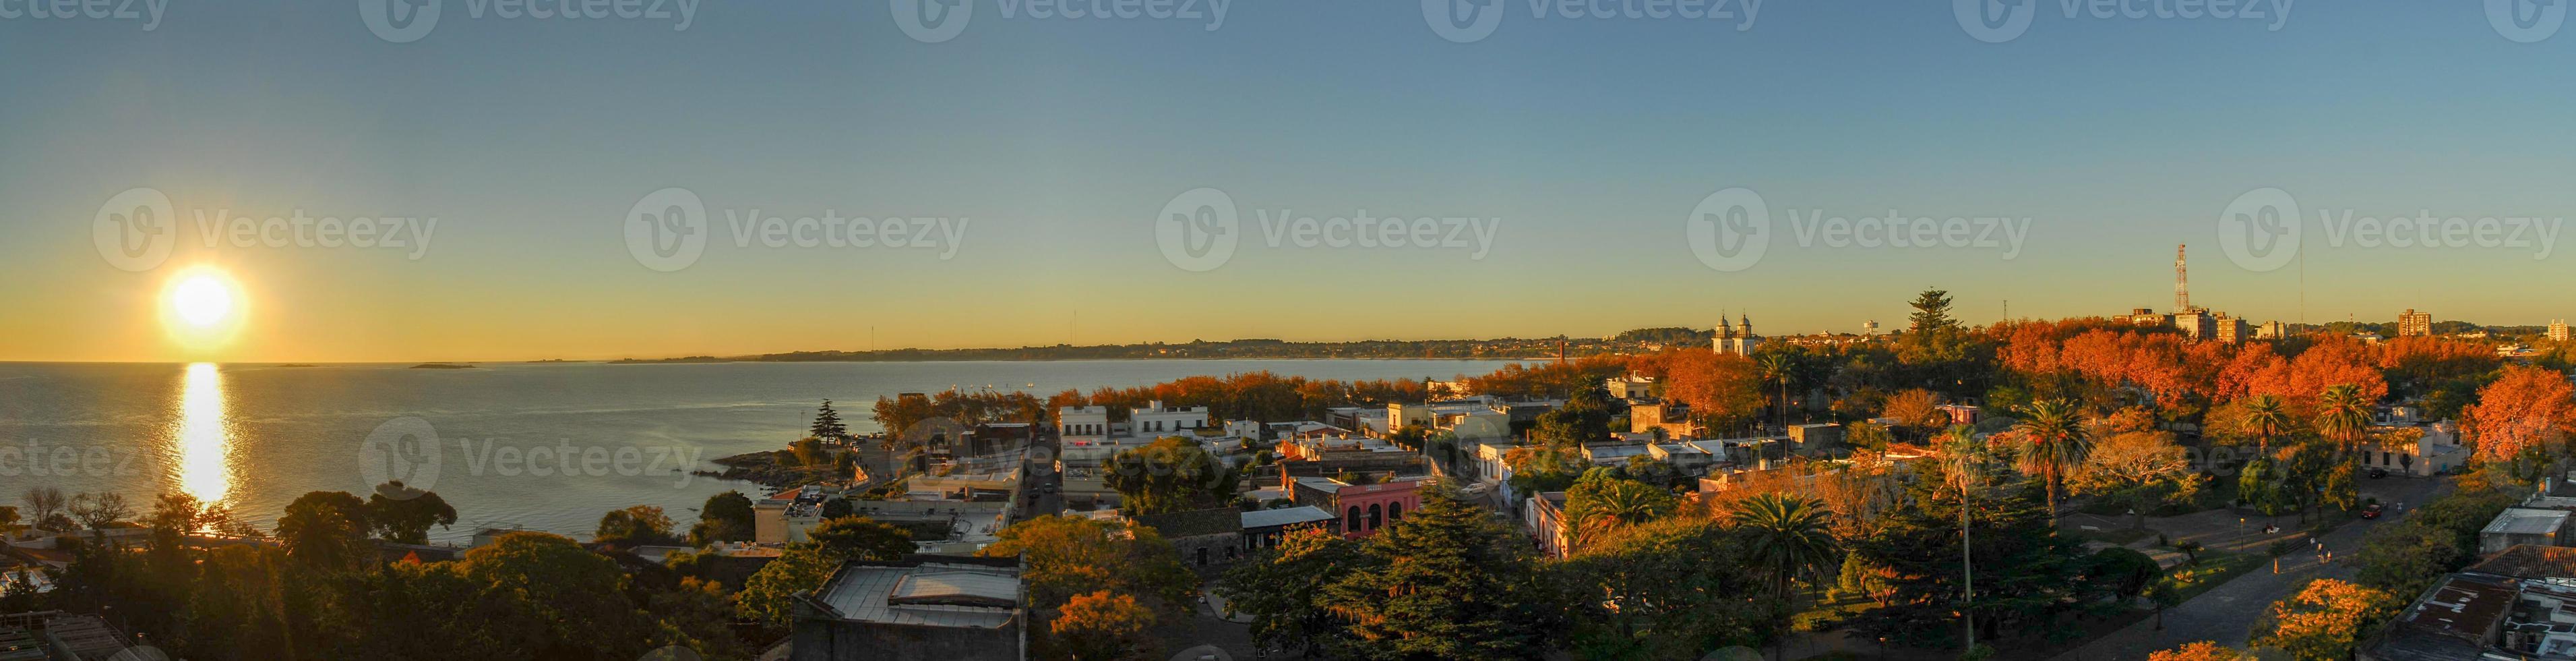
1090,423
1159,420
1739,342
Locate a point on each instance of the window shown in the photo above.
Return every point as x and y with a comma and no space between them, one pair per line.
1355,520
1395,512
1374,520
1202,556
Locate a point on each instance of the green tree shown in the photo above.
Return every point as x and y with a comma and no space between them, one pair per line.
578,598
1785,538
726,517
634,526
1604,501
2267,420
1931,313
1172,474
768,598
403,515
2055,442
1281,589
1446,582
861,538
827,424
326,530
1661,597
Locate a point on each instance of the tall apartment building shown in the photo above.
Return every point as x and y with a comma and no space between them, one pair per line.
2412,323
2196,323
2271,330
2233,329
2558,330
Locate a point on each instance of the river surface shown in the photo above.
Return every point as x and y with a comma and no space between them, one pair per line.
545,446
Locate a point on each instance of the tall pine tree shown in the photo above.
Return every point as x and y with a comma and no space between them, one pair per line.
827,424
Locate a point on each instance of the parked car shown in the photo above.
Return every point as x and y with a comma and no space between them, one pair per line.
2370,511
2376,472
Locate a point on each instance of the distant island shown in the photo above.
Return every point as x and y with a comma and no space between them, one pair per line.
297,365
442,366
1496,349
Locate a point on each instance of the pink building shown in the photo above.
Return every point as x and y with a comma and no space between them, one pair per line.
1363,508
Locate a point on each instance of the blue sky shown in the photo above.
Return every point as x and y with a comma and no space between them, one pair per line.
1587,142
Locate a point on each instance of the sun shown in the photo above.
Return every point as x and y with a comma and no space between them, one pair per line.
202,307
202,300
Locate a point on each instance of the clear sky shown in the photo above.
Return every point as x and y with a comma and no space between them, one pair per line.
1586,143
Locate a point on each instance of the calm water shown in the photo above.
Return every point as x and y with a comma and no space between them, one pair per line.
258,436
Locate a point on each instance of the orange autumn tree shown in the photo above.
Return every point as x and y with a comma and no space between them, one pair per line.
2324,621
2530,407
2200,651
1719,388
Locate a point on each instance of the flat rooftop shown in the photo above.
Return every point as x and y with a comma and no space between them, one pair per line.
931,593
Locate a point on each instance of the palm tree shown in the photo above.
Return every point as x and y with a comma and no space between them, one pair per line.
2056,443
1785,537
1625,503
2266,419
1964,458
2343,415
1775,368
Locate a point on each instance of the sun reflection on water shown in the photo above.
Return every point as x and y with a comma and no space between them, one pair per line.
203,445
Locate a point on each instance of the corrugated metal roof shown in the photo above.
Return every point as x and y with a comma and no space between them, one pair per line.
1284,516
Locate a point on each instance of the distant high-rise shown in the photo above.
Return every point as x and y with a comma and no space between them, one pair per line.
2412,323
2558,330
2233,329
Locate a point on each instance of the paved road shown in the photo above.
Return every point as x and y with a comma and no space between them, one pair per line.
2225,614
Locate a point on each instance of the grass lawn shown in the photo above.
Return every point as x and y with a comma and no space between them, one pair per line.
2215,568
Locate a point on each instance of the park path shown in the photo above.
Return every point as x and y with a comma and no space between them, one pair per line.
2226,614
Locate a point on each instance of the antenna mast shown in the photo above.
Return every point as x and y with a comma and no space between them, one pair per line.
2182,281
